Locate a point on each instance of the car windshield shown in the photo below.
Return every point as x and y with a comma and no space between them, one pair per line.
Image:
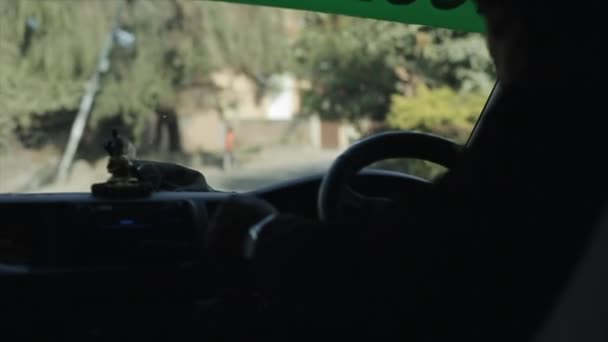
247,95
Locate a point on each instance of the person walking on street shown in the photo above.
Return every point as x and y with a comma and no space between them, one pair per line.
229,149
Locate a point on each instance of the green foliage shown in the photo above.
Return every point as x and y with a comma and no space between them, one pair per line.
441,111
350,64
178,43
50,75
355,66
459,60
181,43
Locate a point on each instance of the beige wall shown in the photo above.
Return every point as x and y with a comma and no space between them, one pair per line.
203,128
201,132
205,132
266,132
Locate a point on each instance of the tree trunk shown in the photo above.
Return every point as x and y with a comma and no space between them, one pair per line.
168,136
158,134
175,138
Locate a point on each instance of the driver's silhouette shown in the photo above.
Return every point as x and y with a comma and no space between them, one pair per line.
485,255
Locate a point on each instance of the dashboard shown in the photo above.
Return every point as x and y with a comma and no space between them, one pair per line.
74,231
68,231
71,231
72,265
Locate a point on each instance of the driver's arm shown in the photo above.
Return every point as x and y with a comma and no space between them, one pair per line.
319,272
322,276
311,274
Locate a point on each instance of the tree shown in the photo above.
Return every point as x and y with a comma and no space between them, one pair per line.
460,60
355,66
178,44
441,111
45,71
350,64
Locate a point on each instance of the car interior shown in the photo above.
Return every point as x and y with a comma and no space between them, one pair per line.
91,267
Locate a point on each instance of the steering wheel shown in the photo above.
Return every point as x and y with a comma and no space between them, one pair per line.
334,192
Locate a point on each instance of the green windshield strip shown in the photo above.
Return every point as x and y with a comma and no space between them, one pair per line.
459,15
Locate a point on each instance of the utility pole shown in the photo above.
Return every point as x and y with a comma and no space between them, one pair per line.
86,103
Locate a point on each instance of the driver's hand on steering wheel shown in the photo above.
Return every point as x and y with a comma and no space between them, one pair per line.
228,229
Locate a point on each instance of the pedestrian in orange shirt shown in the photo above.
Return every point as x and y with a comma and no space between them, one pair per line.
229,149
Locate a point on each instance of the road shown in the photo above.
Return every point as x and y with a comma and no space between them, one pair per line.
268,167
271,167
